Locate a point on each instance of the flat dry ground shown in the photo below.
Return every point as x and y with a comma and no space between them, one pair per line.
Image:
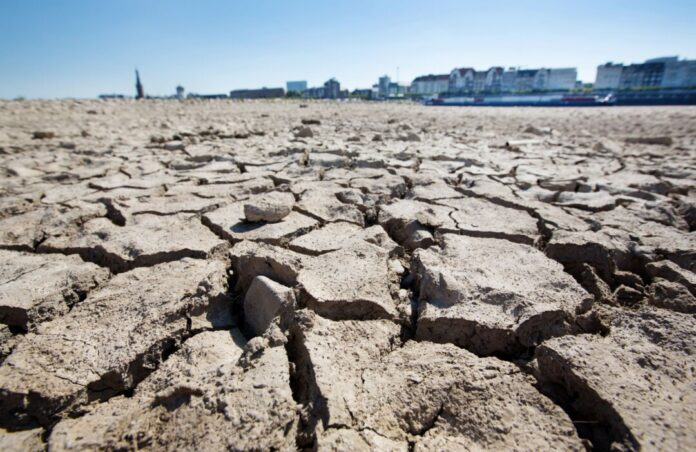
449,278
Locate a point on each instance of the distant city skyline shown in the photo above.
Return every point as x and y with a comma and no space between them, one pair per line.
81,48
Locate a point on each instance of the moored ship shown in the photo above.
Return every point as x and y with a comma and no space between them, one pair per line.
524,100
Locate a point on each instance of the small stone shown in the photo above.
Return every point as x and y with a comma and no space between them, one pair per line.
538,130
43,135
303,132
264,301
396,267
660,141
427,217
174,146
409,137
350,197
271,207
671,295
627,295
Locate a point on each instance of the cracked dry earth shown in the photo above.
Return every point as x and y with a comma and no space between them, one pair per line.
346,276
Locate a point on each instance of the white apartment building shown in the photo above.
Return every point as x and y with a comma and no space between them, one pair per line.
461,79
496,79
664,72
608,76
428,85
561,78
558,79
468,79
678,74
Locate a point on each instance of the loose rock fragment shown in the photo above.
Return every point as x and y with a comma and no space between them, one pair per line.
43,135
271,207
672,272
266,300
230,222
409,137
662,141
303,132
538,130
671,295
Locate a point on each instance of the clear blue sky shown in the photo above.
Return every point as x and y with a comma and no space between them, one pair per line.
79,48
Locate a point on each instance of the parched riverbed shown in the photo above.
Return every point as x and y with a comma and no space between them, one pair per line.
213,275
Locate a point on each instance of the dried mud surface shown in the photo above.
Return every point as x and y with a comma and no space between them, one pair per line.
346,276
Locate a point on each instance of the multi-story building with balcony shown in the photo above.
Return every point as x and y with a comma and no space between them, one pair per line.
665,72
496,80
608,76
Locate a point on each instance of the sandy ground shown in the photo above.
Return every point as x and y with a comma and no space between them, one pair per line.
346,276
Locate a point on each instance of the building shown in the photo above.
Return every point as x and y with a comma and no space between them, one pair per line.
561,78
299,86
461,80
396,90
494,79
206,96
180,92
332,89
527,80
315,92
543,79
430,85
677,73
261,93
383,86
508,80
664,72
642,75
480,81
608,76
367,94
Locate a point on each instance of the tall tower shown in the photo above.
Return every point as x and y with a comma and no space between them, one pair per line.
139,93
